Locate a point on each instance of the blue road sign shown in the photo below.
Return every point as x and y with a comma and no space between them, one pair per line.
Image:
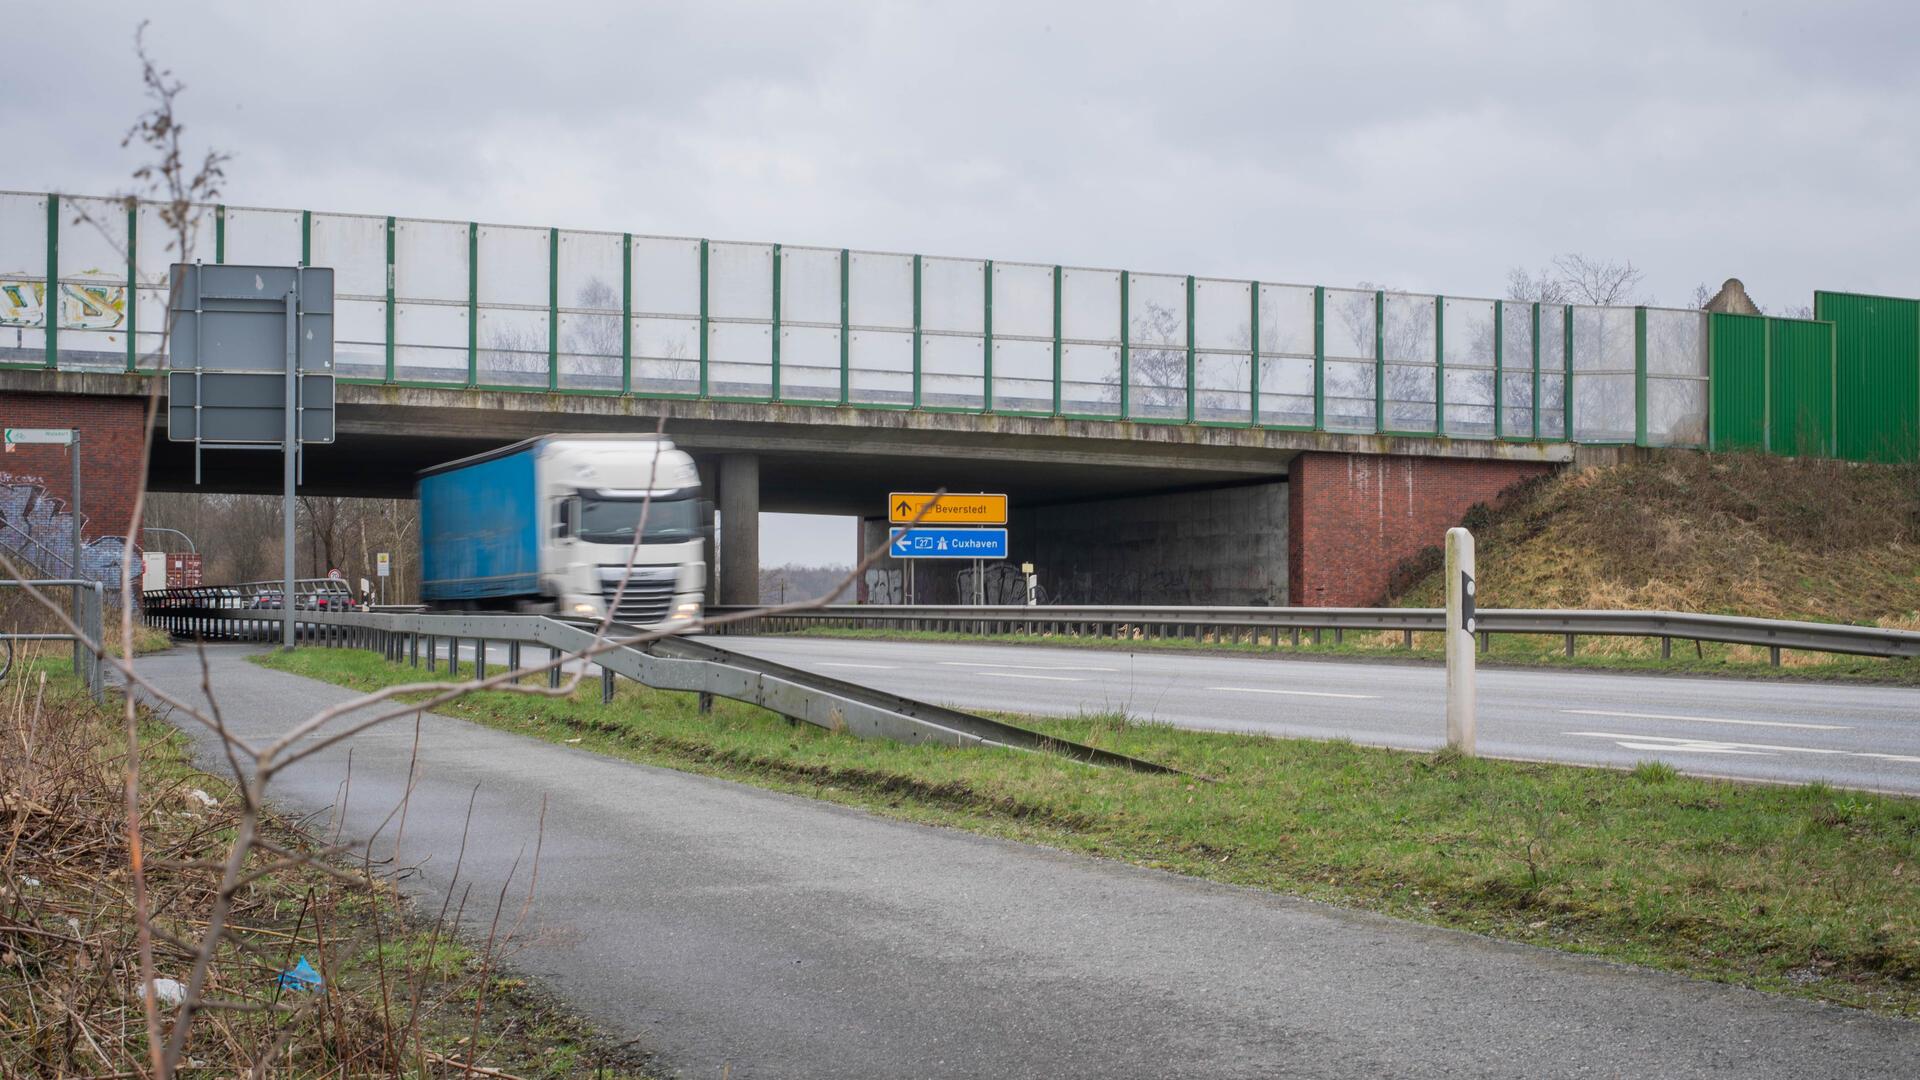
949,544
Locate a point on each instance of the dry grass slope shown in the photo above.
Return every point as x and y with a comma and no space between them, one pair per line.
1734,534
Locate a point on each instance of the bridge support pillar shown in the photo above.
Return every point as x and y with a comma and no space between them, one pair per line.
740,520
1357,519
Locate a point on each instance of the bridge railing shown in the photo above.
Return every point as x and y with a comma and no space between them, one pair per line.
1268,625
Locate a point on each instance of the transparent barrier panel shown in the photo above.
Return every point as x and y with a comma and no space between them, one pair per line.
740,281
157,248
809,361
1223,387
1553,365
513,346
92,299
1222,315
1468,362
430,341
1516,370
666,278
1286,349
23,278
513,267
952,370
590,280
1090,305
666,351
740,358
810,324
359,337
1157,339
880,291
1089,379
430,261
1022,372
262,237
1022,337
1407,337
1677,367
953,295
881,364
1349,396
1603,374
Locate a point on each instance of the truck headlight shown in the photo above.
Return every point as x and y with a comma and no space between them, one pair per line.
689,609
586,609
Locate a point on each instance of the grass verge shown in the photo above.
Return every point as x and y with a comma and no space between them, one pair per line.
1802,890
1512,650
404,995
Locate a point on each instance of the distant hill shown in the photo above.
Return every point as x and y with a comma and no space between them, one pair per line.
786,584
1737,534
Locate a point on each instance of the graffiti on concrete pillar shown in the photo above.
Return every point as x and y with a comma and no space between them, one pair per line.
36,528
885,585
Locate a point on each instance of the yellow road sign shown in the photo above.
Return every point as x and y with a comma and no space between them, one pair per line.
953,509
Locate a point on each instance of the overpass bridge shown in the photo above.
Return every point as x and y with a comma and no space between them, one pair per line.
1166,438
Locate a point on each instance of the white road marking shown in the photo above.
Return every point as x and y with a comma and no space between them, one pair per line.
1024,667
1714,746
1292,693
1707,720
1890,757
1017,675
866,667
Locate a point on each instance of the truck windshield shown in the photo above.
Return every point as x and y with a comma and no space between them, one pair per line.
612,521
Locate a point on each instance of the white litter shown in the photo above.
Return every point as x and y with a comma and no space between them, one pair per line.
203,798
31,883
168,992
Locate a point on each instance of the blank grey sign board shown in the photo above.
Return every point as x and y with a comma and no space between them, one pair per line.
245,407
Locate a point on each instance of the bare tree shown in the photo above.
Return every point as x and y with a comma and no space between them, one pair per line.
1574,278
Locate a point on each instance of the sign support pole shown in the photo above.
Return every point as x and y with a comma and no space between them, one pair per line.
1460,630
73,450
290,447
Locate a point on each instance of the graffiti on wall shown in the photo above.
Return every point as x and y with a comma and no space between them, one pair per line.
37,528
82,307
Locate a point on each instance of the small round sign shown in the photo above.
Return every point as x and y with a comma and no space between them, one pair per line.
336,575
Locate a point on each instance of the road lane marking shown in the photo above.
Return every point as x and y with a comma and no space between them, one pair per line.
1707,720
1714,746
1017,675
1292,693
865,667
1023,667
1891,757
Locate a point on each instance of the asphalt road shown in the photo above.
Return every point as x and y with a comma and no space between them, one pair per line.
775,936
1846,735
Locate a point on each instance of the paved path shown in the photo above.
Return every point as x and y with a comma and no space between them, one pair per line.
1851,735
729,926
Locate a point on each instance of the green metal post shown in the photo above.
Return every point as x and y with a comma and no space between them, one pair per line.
50,301
1126,358
1380,360
133,287
846,369
1766,386
1253,337
986,338
1439,365
704,384
306,238
1058,362
390,313
1319,358
1499,373
626,313
473,304
553,310
1713,409
774,356
220,233
1192,366
1566,381
916,331
1639,376
1536,370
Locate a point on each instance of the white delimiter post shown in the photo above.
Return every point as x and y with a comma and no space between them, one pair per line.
1460,628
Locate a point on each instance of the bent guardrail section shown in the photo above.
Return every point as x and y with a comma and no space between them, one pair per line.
1178,622
664,664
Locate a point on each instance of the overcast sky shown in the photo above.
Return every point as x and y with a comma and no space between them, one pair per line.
1425,146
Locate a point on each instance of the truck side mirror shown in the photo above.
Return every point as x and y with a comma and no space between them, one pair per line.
563,519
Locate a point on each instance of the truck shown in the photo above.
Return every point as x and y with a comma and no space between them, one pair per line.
547,525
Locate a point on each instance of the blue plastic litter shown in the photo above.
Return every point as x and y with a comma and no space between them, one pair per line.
302,977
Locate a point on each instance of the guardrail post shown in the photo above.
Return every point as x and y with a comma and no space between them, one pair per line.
479,658
513,656
1569,646
553,672
433,652
1460,634
606,686
453,656
1773,655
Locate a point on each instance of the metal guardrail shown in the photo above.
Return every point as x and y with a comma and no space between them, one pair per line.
320,594
88,609
665,664
1254,624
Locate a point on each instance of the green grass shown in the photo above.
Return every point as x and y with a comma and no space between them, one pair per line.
1803,890
1513,650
